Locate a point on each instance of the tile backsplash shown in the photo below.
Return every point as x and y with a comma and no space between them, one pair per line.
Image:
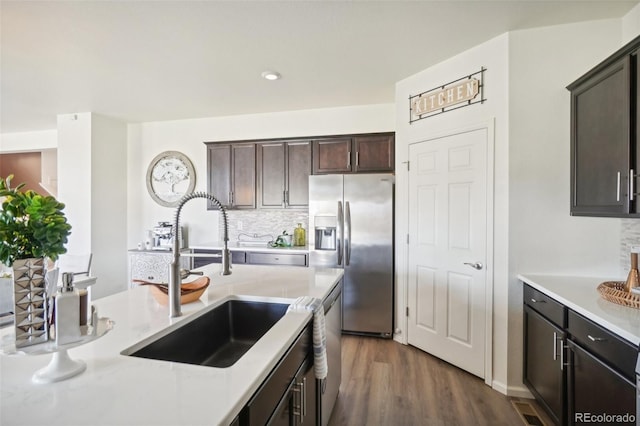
264,222
273,222
629,236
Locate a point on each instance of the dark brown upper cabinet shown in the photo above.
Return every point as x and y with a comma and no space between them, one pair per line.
604,130
231,174
373,153
283,174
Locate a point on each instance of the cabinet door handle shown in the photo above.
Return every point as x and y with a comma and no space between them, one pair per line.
631,189
348,159
562,355
304,398
555,345
357,158
618,187
284,198
299,406
596,339
537,301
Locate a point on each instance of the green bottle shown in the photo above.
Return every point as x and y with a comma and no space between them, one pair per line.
299,236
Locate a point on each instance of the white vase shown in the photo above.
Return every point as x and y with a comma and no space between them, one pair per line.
31,321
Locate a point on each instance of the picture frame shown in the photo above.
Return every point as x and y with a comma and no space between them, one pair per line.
170,176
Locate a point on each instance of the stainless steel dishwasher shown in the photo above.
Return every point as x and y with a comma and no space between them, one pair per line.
328,388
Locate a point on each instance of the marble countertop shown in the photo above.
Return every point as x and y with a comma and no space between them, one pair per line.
581,295
121,390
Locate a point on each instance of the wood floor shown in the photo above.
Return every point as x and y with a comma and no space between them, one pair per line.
387,383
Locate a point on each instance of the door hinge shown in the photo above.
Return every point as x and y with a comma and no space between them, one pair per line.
407,163
407,238
407,311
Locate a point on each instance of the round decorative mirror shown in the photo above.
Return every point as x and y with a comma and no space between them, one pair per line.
169,177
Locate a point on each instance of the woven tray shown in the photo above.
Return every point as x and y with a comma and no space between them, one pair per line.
613,291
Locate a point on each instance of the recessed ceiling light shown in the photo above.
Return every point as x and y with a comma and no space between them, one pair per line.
271,75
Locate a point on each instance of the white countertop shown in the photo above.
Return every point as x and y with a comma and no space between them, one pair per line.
581,295
234,245
123,390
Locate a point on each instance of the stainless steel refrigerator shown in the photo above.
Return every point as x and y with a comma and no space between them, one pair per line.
351,227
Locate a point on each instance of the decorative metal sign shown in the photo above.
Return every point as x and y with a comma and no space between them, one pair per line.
456,94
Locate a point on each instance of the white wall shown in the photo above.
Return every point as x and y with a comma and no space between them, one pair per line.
543,237
527,72
28,141
146,140
49,170
109,205
74,177
92,181
631,24
494,112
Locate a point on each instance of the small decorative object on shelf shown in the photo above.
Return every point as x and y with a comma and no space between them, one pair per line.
633,280
299,236
283,240
32,228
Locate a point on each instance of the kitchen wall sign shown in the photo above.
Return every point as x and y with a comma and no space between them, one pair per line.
169,177
456,94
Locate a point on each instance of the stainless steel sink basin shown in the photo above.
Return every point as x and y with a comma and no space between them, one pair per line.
217,337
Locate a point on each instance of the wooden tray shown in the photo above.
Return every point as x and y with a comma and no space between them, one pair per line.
613,291
189,292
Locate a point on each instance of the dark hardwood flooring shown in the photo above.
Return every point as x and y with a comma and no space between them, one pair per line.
387,383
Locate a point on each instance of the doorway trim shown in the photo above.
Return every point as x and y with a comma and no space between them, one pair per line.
403,282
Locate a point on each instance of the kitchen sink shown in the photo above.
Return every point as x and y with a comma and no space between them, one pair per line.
218,337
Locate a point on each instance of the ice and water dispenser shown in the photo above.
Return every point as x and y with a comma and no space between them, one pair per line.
325,232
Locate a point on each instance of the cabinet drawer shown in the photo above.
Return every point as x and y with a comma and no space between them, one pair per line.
617,352
237,257
266,399
548,307
298,259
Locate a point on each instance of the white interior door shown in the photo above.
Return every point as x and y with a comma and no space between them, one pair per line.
448,248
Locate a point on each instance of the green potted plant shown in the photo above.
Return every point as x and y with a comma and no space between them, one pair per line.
32,228
31,225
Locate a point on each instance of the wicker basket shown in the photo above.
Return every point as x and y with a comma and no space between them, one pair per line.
613,291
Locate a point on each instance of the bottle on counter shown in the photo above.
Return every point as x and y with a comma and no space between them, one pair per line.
67,316
633,279
299,236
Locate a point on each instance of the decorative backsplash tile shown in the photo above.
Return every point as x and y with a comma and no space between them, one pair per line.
264,222
630,236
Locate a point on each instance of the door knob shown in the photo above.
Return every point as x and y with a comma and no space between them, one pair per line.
476,265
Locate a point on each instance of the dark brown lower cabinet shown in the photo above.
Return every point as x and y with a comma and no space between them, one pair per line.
597,393
579,371
544,373
298,406
288,395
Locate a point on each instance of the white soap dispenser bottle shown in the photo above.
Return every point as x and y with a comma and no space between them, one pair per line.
67,308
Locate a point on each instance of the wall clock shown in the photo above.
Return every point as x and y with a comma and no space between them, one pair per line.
169,177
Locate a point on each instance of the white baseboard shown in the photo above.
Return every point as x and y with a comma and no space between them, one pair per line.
513,391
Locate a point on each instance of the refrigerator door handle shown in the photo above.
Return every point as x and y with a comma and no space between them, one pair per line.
340,233
347,231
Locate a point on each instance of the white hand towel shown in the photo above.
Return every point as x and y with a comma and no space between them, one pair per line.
307,303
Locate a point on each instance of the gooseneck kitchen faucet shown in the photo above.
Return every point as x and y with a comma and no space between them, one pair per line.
175,279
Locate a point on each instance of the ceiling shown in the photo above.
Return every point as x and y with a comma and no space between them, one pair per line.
150,61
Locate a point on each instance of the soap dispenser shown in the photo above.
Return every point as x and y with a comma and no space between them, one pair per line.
67,312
